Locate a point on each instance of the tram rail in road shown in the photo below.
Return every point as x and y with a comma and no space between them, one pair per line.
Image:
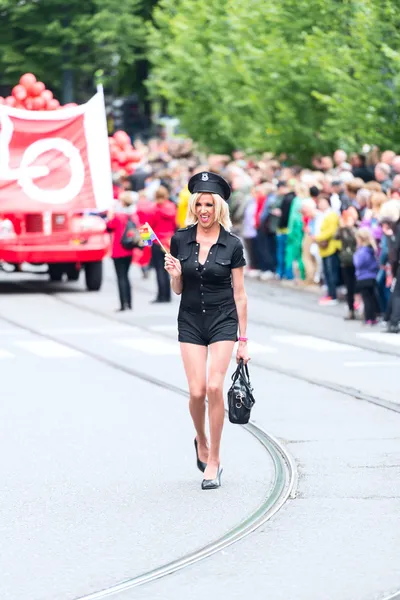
283,487
341,389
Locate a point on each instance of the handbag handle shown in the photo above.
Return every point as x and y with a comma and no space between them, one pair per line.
245,371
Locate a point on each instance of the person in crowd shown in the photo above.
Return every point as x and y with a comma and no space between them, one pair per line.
144,211
294,254
329,248
182,204
163,222
382,176
266,239
206,269
249,235
122,258
352,188
360,169
284,269
371,216
383,278
366,268
310,260
390,219
395,189
346,234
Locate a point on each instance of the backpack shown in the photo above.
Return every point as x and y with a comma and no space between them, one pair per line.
131,237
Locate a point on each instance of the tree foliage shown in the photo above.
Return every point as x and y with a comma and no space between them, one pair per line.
300,76
48,36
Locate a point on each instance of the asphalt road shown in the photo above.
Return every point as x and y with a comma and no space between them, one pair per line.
98,466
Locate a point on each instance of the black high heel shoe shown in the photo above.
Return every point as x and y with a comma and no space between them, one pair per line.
200,465
212,484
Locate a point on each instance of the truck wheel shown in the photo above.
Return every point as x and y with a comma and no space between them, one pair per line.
94,275
72,272
56,272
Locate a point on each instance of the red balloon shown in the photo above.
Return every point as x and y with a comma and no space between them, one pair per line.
37,88
53,104
114,165
114,152
27,81
1,100
28,103
19,93
122,158
10,101
122,138
112,142
38,103
69,105
47,95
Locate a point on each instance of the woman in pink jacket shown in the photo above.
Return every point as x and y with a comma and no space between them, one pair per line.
122,258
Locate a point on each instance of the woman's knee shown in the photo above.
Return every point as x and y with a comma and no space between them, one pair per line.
214,391
198,394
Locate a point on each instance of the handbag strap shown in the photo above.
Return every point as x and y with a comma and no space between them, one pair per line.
237,372
242,370
245,371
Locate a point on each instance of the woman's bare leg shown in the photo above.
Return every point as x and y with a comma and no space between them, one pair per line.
220,354
195,363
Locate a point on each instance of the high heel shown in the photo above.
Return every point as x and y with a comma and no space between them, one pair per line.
212,484
200,465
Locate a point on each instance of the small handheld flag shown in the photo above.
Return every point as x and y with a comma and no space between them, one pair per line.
148,236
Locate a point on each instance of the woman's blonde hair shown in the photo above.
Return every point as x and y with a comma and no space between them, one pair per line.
221,210
365,237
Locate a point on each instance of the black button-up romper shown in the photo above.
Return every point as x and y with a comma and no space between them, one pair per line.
207,311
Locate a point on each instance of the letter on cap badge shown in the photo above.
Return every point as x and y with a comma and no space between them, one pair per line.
204,176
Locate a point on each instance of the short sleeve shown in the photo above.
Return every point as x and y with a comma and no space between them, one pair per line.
238,259
174,247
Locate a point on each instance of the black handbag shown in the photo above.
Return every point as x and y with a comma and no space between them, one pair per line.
240,395
131,237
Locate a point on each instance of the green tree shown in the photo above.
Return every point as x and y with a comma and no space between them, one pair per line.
51,37
300,76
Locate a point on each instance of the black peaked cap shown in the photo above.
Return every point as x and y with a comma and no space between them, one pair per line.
211,183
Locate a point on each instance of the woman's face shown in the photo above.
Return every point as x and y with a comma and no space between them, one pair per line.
205,210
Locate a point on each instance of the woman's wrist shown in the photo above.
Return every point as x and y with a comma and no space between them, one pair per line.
243,339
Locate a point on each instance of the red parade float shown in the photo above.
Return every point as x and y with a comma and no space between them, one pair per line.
55,182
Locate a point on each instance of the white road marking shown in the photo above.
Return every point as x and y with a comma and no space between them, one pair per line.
12,332
149,346
6,354
375,363
90,330
313,343
48,349
384,338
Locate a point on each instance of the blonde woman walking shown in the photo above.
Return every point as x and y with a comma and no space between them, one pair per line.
206,266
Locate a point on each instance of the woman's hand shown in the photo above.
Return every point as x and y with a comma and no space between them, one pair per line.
172,266
242,353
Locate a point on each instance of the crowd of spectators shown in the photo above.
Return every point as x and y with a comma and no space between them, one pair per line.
335,225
